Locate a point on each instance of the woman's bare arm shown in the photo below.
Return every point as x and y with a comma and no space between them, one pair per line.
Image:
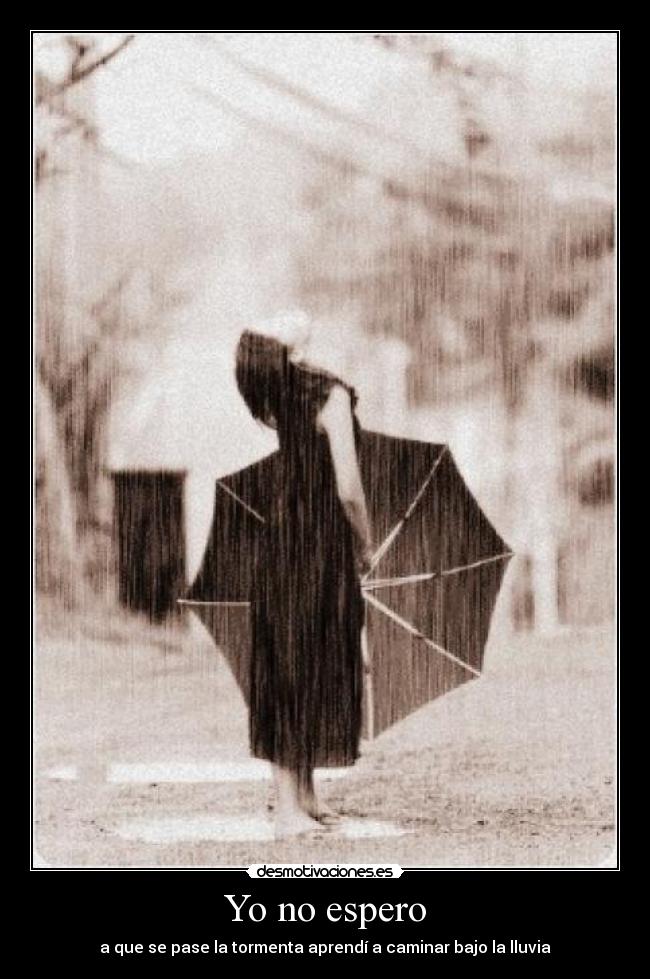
335,418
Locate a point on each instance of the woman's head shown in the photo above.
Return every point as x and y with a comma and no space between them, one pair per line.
264,355
261,370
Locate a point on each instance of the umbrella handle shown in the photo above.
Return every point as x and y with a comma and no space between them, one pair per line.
368,684
365,652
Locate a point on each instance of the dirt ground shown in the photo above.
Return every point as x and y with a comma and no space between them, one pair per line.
515,769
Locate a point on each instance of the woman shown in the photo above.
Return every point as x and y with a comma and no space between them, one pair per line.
307,671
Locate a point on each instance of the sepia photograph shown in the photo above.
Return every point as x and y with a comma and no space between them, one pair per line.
324,457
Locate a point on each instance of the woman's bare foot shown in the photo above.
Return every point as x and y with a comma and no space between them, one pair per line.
313,807
291,817
296,823
309,801
327,816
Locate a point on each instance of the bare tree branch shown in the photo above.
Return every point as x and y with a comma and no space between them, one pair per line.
278,133
43,170
314,102
78,74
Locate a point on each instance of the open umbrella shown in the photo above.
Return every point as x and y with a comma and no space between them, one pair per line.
430,592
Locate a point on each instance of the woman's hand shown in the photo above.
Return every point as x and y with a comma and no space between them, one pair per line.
365,556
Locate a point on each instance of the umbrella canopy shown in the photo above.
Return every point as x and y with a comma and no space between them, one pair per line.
430,592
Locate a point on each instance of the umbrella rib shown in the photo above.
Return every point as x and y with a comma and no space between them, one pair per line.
419,635
427,575
404,580
381,550
477,564
192,601
250,509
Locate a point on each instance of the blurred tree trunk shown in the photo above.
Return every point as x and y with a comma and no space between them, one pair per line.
540,466
73,386
59,564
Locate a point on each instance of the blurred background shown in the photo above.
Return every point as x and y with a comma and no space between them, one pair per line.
441,204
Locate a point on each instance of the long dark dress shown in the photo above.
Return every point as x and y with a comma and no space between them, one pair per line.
306,671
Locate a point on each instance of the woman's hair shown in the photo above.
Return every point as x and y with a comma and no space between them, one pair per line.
262,372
